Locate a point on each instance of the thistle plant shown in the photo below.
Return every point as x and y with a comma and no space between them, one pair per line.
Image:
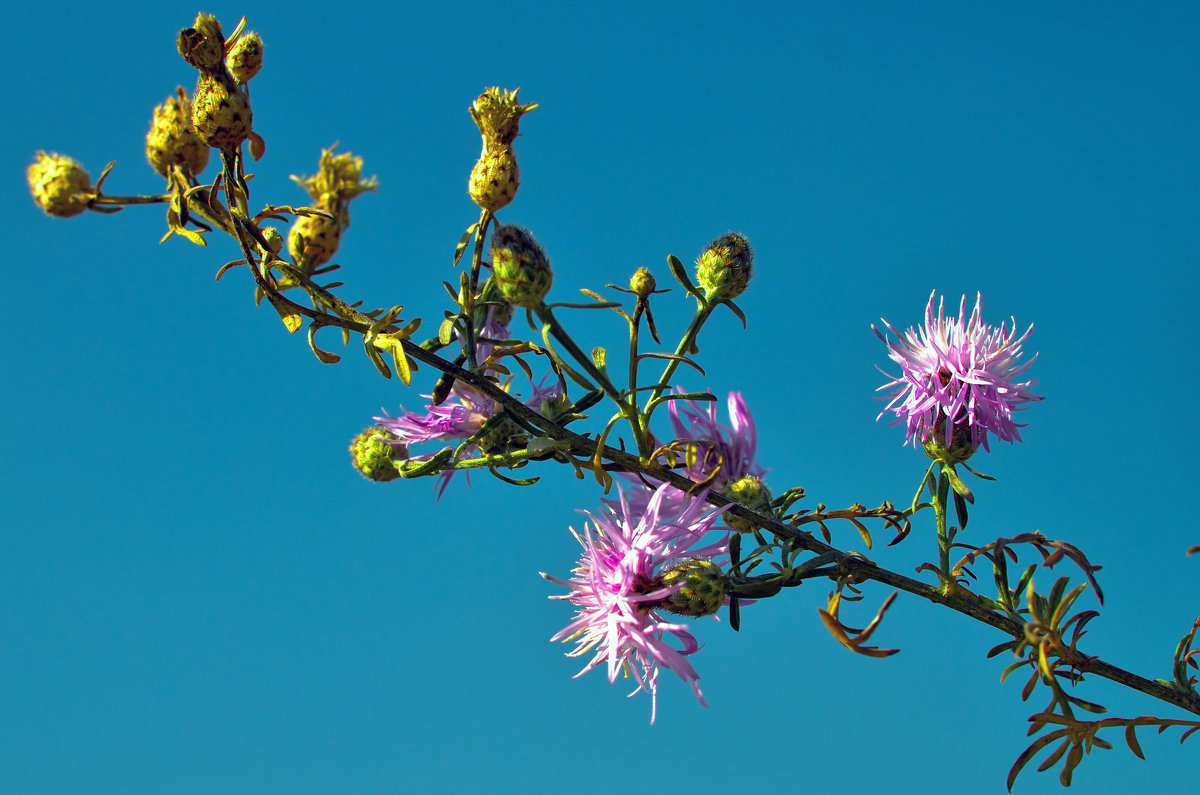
685,522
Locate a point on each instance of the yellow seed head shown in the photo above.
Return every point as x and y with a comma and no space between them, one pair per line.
338,179
314,239
221,116
172,140
495,178
60,186
202,45
245,57
497,114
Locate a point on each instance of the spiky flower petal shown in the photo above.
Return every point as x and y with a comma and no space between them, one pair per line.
619,587
960,378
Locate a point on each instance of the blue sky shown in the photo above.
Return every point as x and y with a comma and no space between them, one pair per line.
197,592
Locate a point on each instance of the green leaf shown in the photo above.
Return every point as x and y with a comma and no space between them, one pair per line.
292,320
463,242
681,276
599,357
446,330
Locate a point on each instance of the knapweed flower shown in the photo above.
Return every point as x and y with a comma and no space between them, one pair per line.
724,450
621,585
958,376
713,453
463,414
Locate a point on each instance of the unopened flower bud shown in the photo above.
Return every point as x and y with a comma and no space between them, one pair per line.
273,238
520,266
642,283
172,140
702,591
60,185
375,457
245,57
751,492
723,270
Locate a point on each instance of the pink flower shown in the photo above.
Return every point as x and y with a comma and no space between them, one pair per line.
617,590
958,369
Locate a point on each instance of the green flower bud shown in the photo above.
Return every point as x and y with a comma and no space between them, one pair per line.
203,44
723,270
375,457
702,592
960,448
751,492
245,57
60,185
642,283
520,267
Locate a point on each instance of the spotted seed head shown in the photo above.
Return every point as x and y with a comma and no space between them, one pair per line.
723,270
202,45
497,114
314,239
221,116
60,185
702,592
495,178
520,266
172,140
245,57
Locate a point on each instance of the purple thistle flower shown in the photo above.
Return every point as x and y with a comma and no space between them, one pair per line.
730,448
726,450
617,589
958,369
462,415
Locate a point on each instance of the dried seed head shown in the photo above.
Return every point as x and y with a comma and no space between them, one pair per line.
202,45
497,114
702,591
723,270
520,266
60,185
245,57
374,454
313,239
172,140
338,179
495,178
221,116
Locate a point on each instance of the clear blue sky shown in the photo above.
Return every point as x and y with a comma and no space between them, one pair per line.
197,592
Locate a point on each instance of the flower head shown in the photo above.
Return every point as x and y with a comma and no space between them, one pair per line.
958,376
726,451
464,414
623,582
